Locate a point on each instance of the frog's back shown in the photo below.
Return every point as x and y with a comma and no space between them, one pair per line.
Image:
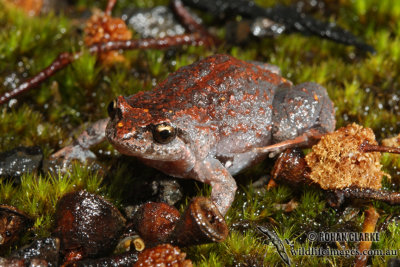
222,91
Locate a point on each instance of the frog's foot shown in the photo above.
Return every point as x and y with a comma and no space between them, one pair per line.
212,172
79,150
73,152
62,159
305,140
266,66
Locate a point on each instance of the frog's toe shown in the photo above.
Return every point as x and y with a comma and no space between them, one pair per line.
62,160
266,66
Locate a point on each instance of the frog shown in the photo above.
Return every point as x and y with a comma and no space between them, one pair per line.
210,120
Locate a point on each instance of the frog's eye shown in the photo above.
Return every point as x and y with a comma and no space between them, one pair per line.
163,133
112,108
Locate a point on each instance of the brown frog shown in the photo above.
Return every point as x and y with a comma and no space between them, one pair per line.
209,120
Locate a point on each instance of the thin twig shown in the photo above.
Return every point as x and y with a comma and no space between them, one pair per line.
366,147
65,59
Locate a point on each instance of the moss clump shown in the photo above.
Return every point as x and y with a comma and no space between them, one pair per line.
28,127
37,195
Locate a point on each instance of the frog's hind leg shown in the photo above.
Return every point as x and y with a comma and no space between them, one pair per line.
307,139
266,66
79,149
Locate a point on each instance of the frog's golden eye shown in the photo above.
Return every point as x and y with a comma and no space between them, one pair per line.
163,133
111,108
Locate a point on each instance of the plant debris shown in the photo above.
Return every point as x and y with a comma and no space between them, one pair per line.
337,162
163,255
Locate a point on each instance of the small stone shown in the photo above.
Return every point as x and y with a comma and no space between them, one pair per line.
20,160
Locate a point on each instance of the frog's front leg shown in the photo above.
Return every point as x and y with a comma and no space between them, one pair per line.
212,172
79,149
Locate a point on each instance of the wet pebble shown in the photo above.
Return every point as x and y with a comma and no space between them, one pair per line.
20,160
156,22
87,225
40,253
13,222
157,189
125,259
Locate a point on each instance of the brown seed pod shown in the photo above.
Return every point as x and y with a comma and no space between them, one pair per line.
87,224
163,255
291,167
155,221
12,223
201,223
345,162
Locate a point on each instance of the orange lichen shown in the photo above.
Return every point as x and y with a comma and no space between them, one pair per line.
31,7
101,28
337,161
392,142
163,255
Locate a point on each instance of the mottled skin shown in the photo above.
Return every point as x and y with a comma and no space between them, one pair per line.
221,111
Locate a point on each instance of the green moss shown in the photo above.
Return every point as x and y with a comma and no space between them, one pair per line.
388,240
27,127
363,87
22,35
37,195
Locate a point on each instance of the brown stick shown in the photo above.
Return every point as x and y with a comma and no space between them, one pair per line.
366,147
199,36
65,59
392,198
110,6
149,43
59,63
191,24
187,19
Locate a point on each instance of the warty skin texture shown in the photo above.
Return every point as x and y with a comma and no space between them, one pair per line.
220,109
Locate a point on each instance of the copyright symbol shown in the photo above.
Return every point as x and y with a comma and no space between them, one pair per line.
312,236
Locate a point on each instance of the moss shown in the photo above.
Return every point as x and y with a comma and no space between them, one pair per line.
22,35
363,87
27,127
37,195
387,240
